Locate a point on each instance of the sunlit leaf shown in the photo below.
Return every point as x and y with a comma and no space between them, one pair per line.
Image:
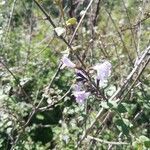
71,21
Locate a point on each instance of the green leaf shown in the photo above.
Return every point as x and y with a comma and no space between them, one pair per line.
40,117
121,108
145,140
127,122
147,144
71,21
124,127
140,146
119,122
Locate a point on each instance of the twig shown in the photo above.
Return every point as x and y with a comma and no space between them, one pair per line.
17,81
97,13
106,142
139,74
129,77
10,18
90,3
36,55
45,13
139,28
61,37
136,24
64,40
120,36
130,27
55,103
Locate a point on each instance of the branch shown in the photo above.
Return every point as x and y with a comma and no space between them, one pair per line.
96,13
120,35
10,18
106,142
136,24
17,81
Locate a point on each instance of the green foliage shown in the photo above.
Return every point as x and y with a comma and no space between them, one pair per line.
30,53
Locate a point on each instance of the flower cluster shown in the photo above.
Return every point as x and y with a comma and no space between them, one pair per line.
103,72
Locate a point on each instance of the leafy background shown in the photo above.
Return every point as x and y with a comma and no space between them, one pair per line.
30,53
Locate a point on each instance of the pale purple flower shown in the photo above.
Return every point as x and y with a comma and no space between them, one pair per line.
81,96
103,71
78,86
67,62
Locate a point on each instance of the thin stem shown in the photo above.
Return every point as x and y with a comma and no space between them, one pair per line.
106,142
90,3
10,18
128,16
17,81
120,36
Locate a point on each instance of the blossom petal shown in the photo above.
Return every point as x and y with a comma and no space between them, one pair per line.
77,87
67,62
103,70
81,96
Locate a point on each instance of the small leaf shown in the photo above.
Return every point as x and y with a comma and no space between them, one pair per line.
119,122
71,21
127,122
40,117
121,108
59,31
124,127
147,144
